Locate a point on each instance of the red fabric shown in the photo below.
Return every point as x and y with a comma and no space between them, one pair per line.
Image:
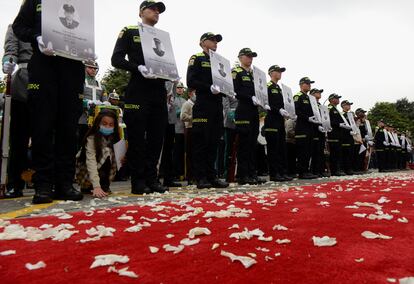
300,261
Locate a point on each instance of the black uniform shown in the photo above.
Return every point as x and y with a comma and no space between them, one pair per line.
380,149
207,118
54,87
347,144
247,123
275,133
303,131
145,112
318,151
334,140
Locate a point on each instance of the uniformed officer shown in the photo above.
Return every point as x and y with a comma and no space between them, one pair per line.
347,141
207,114
54,87
334,137
359,158
318,142
380,146
246,117
274,127
93,95
20,52
304,128
145,111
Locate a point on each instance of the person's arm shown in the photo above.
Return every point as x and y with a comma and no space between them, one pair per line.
186,113
193,73
121,51
300,112
25,26
91,163
242,94
11,46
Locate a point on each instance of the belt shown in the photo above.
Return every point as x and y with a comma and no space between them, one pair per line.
23,65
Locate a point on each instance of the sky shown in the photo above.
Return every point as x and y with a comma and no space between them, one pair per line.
360,49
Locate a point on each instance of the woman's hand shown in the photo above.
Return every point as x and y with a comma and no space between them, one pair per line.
98,192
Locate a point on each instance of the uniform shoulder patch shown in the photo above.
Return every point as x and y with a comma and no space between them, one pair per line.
192,60
269,83
234,74
132,27
200,54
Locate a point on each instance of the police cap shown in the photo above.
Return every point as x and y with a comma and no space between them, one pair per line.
276,68
210,35
306,80
334,96
69,8
150,3
248,52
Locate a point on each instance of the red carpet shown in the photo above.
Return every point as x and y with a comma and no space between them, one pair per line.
299,261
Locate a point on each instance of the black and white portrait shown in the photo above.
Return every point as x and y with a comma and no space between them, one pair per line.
69,17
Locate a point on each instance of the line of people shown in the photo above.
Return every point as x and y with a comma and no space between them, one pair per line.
154,119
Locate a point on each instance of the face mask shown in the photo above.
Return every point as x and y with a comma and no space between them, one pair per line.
106,131
193,98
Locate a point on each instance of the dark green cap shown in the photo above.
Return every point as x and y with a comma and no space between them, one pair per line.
248,52
150,3
346,102
209,35
306,80
180,85
314,91
276,68
359,110
334,96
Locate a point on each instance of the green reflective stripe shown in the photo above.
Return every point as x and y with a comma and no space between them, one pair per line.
300,136
200,120
380,150
132,106
333,141
240,122
315,139
271,130
346,145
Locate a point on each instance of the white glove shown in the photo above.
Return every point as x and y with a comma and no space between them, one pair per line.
386,144
330,129
371,143
283,112
267,107
352,133
46,50
321,129
255,101
345,126
215,89
8,67
176,80
294,118
145,73
314,120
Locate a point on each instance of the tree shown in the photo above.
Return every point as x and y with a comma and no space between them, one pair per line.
392,113
405,107
116,79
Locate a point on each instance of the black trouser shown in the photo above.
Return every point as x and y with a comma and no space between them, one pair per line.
82,130
55,85
303,147
276,151
381,159
207,130
261,158
291,158
188,154
179,149
19,143
335,154
317,156
146,127
229,139
358,159
167,157
247,127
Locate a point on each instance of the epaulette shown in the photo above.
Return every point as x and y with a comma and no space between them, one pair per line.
132,27
237,69
269,84
200,54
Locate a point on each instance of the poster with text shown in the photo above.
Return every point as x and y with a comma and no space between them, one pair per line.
221,72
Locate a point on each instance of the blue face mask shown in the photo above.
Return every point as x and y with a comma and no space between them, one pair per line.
106,131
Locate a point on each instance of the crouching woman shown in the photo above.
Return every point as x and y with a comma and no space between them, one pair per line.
96,164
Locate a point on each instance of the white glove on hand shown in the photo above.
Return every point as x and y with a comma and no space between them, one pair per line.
145,73
352,133
255,101
371,143
321,129
283,112
8,67
215,89
267,107
314,120
345,126
386,144
46,50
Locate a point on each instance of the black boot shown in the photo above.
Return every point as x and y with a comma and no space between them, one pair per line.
170,183
139,187
277,178
219,184
67,192
258,180
157,187
203,184
246,180
43,194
